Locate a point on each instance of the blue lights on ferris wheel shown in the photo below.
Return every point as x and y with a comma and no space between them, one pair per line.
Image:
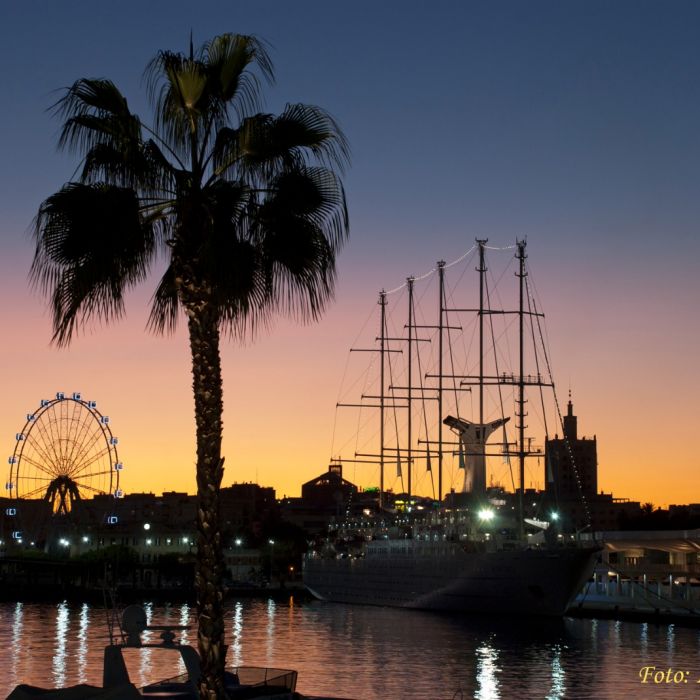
60,396
17,535
30,417
119,493
112,520
92,404
9,486
118,467
12,460
113,441
19,437
44,402
104,420
76,396
11,511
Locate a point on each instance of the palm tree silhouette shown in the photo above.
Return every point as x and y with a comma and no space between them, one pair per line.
247,209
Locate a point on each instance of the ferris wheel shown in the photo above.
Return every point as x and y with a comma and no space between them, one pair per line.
65,453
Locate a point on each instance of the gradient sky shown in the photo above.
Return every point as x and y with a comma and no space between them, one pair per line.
574,124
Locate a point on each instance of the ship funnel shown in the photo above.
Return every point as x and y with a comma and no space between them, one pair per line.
473,438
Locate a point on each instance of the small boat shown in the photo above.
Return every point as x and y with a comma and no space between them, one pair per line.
241,683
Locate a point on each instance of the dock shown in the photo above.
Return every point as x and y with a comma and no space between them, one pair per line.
645,576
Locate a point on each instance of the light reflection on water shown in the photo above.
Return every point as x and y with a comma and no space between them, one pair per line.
59,656
82,655
558,690
270,636
487,673
16,645
236,646
369,653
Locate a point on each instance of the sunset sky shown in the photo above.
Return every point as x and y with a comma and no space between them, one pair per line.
573,124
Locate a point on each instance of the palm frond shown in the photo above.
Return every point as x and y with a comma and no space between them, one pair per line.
192,94
228,57
178,89
296,234
300,267
91,245
95,112
314,195
265,145
312,129
227,255
164,305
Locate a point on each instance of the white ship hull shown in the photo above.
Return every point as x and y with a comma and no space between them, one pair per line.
443,576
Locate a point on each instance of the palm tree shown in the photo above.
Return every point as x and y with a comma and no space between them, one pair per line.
247,210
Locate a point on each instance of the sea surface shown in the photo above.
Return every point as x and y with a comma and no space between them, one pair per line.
370,653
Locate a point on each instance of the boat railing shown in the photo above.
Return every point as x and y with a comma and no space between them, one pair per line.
271,677
645,566
241,682
410,546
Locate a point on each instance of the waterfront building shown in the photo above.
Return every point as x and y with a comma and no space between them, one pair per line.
571,478
645,571
326,497
571,463
329,491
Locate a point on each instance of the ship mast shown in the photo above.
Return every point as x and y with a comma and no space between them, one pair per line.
382,396
441,329
521,274
409,454
482,271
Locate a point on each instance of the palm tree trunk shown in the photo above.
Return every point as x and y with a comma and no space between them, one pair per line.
208,401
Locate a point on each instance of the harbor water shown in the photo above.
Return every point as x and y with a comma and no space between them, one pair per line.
376,653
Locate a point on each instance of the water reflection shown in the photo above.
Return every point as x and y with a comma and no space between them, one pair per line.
184,635
16,645
368,653
185,622
487,673
270,639
236,635
145,655
59,656
558,676
82,655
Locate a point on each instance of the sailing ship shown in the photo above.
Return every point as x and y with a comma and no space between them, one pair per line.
473,550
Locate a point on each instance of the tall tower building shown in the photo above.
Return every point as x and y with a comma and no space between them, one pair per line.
561,471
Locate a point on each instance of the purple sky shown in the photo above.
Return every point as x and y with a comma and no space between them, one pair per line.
574,124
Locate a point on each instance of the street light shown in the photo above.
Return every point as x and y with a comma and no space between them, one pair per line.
272,551
486,514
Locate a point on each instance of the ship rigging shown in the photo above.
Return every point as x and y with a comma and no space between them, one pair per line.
415,400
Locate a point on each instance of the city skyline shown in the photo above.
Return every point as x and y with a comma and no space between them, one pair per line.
572,126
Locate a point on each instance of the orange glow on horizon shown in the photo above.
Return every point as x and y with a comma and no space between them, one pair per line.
280,394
